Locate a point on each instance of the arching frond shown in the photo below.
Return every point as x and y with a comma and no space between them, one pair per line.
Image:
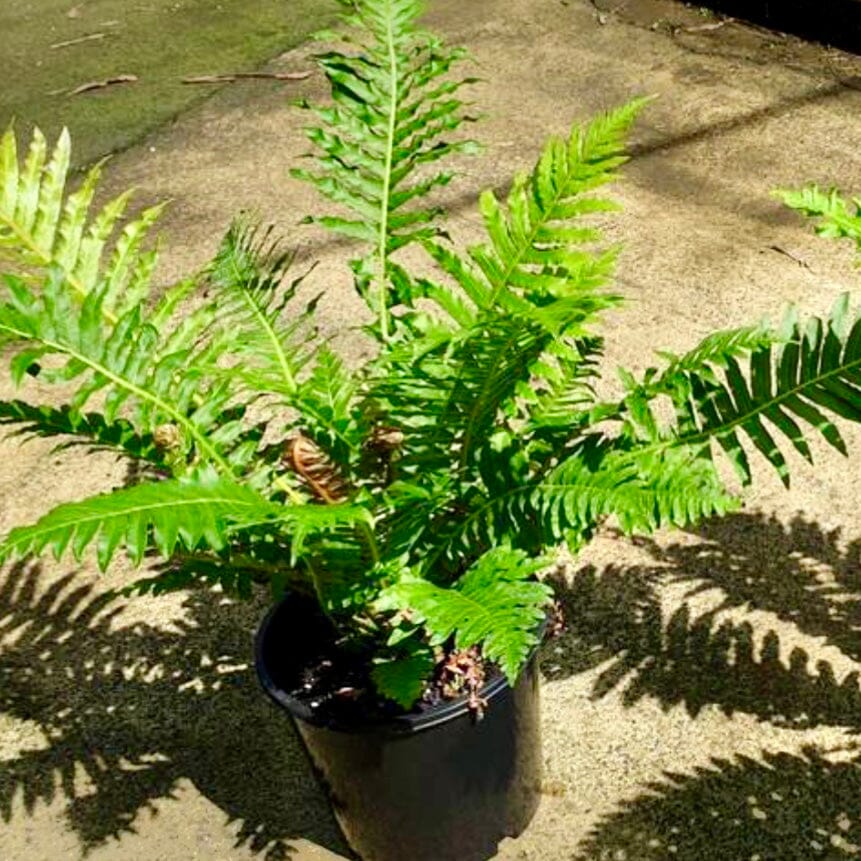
519,329
806,373
271,342
247,275
640,489
120,361
163,516
86,428
199,511
538,261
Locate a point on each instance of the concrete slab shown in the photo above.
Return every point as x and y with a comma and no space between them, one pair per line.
704,704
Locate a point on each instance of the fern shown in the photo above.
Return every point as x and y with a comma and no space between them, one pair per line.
402,678
536,263
642,491
165,516
418,495
79,300
270,355
198,511
530,299
393,106
247,273
116,361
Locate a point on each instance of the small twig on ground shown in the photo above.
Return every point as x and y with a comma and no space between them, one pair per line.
99,85
789,254
698,28
603,15
235,76
91,37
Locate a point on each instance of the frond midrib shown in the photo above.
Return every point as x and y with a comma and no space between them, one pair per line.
139,509
387,173
530,238
268,329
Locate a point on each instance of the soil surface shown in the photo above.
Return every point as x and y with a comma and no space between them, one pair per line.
704,704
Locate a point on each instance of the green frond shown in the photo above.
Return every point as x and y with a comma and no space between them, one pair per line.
520,327
326,399
271,344
43,227
124,361
561,391
402,678
835,217
395,105
497,603
246,275
539,262
450,399
641,490
503,371
163,516
808,374
718,349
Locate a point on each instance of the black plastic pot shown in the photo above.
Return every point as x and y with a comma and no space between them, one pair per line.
435,786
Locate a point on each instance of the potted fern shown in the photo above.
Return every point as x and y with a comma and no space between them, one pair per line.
407,506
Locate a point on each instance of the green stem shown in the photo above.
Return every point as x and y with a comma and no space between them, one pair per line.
387,178
371,541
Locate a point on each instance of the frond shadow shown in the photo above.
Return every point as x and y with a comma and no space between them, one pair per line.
786,807
129,711
800,573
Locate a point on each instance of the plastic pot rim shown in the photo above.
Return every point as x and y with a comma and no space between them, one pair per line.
403,724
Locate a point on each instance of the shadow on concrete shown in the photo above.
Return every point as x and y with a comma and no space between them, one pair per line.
138,709
786,807
779,806
798,573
